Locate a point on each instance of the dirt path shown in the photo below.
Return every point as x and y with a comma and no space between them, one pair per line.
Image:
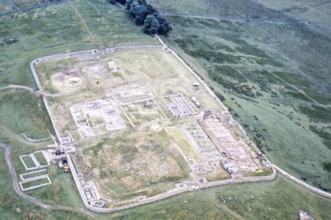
17,87
82,21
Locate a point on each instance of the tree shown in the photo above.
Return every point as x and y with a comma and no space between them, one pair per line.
128,4
141,14
165,26
146,16
122,2
151,24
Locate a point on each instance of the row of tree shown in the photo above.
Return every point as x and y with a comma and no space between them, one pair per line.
146,15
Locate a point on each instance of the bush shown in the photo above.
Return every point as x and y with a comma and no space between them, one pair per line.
146,16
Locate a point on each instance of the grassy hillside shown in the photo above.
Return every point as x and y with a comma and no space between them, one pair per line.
279,199
275,79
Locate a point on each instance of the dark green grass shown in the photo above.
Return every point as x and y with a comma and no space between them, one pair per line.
22,112
270,99
27,176
13,207
280,199
324,133
35,183
312,10
29,162
239,8
40,158
62,191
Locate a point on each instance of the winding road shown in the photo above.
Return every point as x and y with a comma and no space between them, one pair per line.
17,189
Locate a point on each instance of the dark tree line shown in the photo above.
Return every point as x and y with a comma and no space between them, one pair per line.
145,15
119,1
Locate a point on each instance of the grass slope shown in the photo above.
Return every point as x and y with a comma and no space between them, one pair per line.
272,86
279,199
13,207
92,24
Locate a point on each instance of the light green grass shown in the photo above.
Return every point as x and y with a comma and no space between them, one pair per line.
60,28
282,197
62,191
317,11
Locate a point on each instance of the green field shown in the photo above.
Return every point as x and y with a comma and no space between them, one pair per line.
22,112
26,3
274,77
270,81
41,158
13,207
62,190
282,197
35,183
239,9
5,7
279,199
34,174
29,162
316,11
